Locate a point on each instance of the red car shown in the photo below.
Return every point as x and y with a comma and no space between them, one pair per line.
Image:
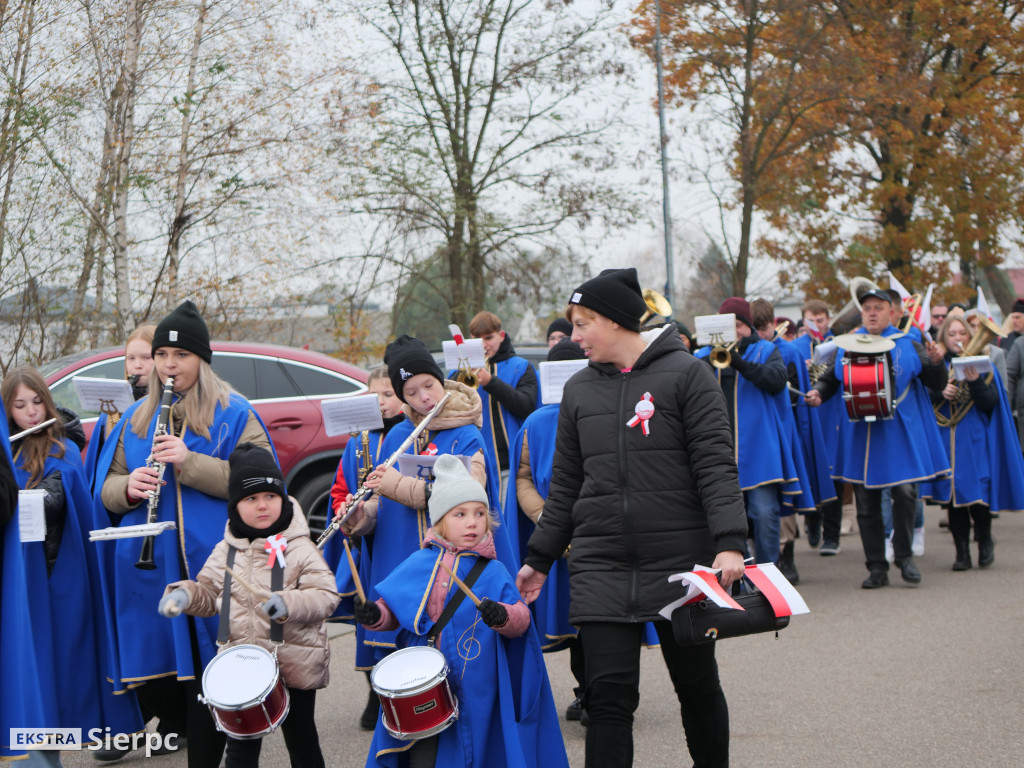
285,385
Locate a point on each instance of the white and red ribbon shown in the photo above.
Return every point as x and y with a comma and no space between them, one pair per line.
457,335
644,410
430,450
275,545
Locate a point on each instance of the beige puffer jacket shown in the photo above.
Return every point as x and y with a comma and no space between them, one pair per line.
309,593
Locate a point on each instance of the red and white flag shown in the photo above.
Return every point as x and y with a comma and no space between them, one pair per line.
983,309
897,286
784,598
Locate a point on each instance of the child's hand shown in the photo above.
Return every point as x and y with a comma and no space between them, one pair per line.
493,614
275,608
367,614
173,603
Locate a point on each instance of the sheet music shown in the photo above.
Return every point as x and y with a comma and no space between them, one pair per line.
824,353
31,519
474,348
352,414
422,467
553,376
103,395
715,329
981,363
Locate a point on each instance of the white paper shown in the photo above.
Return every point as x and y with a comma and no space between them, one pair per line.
103,395
472,352
346,415
31,519
982,364
715,329
824,353
553,376
422,467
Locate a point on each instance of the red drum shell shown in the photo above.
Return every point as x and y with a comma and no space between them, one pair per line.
867,389
415,696
245,693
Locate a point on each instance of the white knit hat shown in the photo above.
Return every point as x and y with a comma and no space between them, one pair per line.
453,485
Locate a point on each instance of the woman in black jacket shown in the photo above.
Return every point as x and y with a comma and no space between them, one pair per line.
644,485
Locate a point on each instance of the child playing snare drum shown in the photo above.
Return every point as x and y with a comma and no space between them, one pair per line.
506,714
296,589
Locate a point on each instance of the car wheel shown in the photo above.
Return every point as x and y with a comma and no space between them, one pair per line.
315,499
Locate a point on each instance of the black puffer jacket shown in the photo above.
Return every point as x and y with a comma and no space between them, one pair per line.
638,508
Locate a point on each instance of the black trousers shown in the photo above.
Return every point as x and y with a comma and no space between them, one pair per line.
872,530
832,515
612,653
960,522
300,736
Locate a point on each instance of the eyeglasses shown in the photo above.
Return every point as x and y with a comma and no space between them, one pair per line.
938,316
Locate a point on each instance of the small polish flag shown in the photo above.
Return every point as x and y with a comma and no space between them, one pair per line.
897,286
457,334
983,309
784,598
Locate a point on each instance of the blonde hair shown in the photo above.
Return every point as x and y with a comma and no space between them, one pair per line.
35,448
492,517
944,330
199,402
145,333
380,372
585,311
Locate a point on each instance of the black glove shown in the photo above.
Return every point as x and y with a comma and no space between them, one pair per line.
367,614
493,614
736,358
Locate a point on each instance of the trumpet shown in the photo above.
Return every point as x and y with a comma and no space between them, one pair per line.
961,405
363,455
364,493
656,305
145,561
721,355
466,375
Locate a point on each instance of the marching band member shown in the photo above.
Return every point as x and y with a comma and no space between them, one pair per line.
348,476
995,353
639,492
891,453
978,435
399,505
61,572
207,421
261,519
491,649
771,467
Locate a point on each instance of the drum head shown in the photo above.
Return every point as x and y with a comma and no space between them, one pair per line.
867,343
408,670
239,676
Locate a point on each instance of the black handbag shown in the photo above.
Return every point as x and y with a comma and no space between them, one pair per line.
704,622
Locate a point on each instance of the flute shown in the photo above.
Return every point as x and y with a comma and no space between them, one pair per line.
364,492
30,430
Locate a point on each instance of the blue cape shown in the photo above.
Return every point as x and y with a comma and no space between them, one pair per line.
767,446
145,644
507,716
904,449
400,529
334,551
74,668
830,414
808,424
22,704
984,452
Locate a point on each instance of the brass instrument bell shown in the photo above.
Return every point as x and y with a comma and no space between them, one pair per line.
656,305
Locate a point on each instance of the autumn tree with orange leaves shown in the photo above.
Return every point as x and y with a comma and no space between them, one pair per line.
870,135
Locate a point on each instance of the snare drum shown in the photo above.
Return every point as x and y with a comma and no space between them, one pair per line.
415,697
244,692
867,388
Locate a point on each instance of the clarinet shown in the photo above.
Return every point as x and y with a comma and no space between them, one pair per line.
146,562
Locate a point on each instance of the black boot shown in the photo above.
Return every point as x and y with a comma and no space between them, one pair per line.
786,565
963,554
986,552
368,720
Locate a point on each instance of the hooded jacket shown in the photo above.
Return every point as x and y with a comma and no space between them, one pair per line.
308,593
638,505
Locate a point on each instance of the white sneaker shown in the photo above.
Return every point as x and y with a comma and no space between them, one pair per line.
917,545
888,550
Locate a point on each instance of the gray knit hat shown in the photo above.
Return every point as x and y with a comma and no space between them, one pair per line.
453,485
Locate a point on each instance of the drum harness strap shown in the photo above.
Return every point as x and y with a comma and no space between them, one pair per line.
455,601
224,623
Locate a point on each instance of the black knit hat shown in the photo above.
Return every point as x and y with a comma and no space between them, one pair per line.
1018,306
251,470
566,349
184,328
616,294
559,324
405,357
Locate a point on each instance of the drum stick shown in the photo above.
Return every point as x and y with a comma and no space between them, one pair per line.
796,391
462,586
355,573
259,593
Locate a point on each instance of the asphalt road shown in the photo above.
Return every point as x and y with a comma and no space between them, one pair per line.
917,677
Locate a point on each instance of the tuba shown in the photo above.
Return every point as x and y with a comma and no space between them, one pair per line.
961,405
848,318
